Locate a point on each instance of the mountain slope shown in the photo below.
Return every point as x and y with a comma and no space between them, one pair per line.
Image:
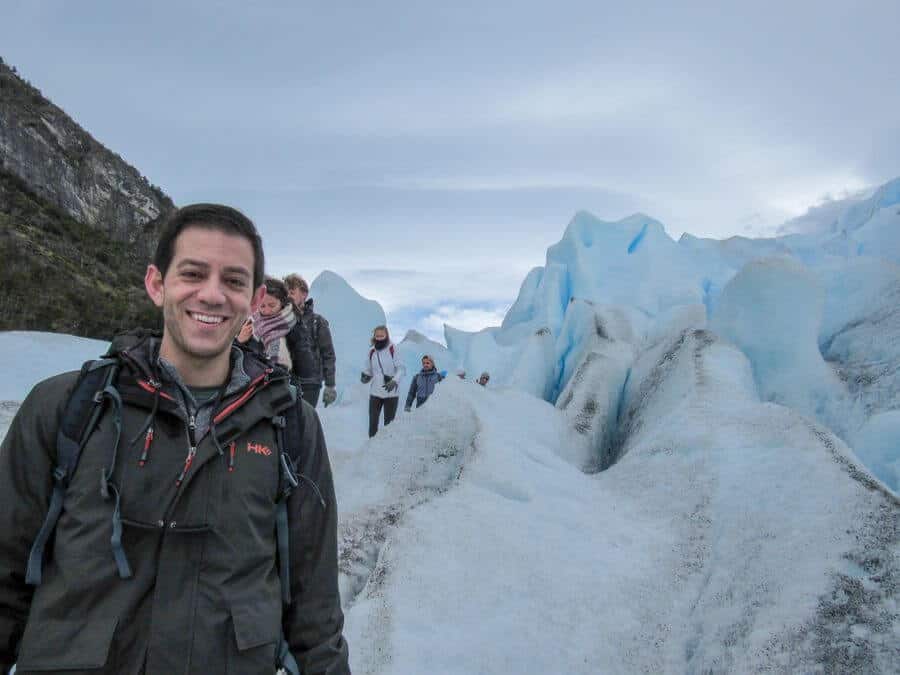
77,223
60,275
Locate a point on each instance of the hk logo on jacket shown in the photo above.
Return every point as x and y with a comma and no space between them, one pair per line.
258,448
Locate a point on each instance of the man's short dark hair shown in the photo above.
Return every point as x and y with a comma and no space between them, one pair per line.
212,217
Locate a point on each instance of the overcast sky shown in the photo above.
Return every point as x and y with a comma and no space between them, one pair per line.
430,152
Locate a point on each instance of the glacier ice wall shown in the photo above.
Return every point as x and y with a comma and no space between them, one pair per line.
820,327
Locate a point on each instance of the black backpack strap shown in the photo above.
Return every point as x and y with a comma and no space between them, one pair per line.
287,481
289,432
81,414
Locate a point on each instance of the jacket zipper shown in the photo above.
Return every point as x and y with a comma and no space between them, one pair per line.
259,383
192,450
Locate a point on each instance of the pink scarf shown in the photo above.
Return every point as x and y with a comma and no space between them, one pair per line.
270,329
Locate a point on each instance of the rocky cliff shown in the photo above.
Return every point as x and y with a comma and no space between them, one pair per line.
77,223
63,164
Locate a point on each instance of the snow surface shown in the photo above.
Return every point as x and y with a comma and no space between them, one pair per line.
730,536
28,357
686,460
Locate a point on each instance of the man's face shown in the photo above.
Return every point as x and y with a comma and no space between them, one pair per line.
380,335
298,295
206,295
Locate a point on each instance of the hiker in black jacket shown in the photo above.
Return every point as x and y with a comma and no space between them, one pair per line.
312,350
179,546
422,384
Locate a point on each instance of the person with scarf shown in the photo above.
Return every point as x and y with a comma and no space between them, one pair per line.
267,328
382,371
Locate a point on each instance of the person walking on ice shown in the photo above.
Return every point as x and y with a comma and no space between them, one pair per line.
311,345
382,371
423,383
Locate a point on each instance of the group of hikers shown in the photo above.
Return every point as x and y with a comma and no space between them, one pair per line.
286,330
209,543
382,373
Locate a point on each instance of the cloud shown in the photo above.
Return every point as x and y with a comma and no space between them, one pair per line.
469,318
427,151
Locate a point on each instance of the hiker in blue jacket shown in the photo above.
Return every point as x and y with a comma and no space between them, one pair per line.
423,384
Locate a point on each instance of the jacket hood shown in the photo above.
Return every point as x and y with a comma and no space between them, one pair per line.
141,348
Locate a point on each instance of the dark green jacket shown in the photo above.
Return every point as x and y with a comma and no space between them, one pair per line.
205,596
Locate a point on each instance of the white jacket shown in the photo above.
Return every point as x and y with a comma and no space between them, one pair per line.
380,363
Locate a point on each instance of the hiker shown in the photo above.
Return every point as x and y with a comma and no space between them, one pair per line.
177,546
382,371
311,346
267,328
423,383
484,378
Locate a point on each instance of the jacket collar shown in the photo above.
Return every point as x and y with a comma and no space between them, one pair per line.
150,374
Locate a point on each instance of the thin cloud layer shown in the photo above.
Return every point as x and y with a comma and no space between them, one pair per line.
419,136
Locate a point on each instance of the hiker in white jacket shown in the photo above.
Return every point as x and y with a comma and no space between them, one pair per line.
383,371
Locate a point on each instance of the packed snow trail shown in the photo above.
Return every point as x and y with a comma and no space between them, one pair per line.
494,568
753,543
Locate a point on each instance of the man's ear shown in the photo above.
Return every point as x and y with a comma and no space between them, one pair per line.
153,282
258,296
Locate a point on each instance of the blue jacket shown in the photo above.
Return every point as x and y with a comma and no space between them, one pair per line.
422,386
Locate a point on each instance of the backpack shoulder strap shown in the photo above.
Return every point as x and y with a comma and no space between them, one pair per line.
392,349
80,417
290,429
293,432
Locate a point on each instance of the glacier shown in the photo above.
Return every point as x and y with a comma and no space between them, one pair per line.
686,461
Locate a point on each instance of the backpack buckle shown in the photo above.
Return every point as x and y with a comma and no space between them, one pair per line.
289,475
60,475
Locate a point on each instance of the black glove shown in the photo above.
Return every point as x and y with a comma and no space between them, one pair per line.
365,379
390,385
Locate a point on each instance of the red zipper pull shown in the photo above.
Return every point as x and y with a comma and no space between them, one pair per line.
231,457
187,467
147,441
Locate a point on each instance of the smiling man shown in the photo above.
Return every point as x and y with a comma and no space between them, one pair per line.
189,554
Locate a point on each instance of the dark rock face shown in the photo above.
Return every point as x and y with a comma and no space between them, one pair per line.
67,167
77,223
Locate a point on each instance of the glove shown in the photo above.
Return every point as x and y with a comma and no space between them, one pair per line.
443,374
329,396
365,379
390,385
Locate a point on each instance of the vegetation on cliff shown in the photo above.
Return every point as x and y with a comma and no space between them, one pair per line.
60,275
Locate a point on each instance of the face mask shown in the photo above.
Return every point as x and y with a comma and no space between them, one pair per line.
381,344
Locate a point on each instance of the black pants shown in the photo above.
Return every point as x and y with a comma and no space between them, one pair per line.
310,393
375,405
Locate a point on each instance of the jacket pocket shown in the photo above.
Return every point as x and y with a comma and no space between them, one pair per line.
75,645
257,628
